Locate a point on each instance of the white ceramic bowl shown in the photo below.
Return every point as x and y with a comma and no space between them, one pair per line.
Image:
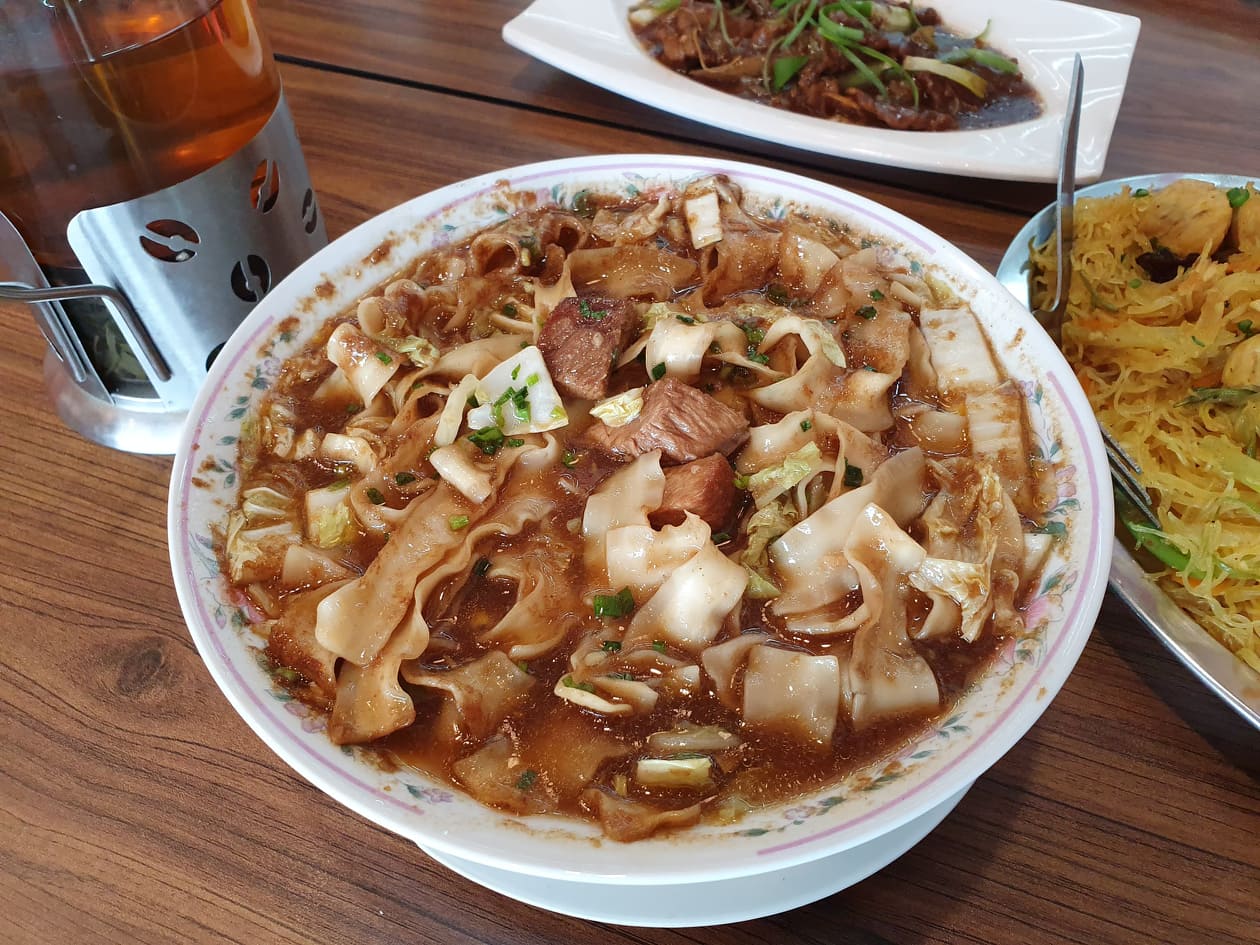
847,830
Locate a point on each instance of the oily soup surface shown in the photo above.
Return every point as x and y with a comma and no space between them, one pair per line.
648,511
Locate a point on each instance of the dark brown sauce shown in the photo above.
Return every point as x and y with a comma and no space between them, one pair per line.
781,55
766,767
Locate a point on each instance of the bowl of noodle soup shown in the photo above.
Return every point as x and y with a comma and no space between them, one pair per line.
862,368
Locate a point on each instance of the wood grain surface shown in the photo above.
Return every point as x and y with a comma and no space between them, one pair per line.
136,807
1190,103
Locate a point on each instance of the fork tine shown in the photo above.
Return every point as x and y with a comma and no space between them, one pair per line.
1122,475
1113,446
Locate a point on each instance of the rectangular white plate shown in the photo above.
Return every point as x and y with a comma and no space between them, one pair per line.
592,40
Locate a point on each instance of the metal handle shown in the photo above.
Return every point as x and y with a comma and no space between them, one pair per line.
146,351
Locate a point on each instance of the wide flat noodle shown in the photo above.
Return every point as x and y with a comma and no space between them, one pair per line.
810,557
887,675
688,609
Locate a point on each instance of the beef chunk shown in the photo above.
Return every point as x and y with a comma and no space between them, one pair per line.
581,339
677,419
705,488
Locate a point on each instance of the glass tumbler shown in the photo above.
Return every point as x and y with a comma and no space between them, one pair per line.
152,190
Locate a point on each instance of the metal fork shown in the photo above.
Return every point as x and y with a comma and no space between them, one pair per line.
1124,471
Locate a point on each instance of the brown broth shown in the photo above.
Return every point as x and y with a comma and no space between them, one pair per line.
767,766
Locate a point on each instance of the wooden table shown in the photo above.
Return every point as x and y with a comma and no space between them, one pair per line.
136,807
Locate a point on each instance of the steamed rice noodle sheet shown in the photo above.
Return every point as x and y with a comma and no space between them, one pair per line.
1162,327
649,513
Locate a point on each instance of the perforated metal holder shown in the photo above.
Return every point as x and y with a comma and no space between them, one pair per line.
176,270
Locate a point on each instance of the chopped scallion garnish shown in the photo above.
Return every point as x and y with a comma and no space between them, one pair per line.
374,496
613,605
571,684
457,522
594,314
488,440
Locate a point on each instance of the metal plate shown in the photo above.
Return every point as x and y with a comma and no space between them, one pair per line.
1222,672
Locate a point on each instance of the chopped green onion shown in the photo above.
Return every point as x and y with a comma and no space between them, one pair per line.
686,319
757,357
584,686
404,478
658,645
876,295
991,60
806,426
1197,341
1135,283
721,538
1098,300
570,458
1238,196
867,311
1230,396
488,440
778,295
658,372
785,69
515,441
532,379
594,314
374,496
353,408
527,779
481,567
384,358
1141,192
457,522
509,310
741,482
852,476
1245,326
613,605
611,646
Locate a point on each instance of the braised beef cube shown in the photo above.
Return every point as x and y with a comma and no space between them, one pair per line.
682,422
581,339
705,488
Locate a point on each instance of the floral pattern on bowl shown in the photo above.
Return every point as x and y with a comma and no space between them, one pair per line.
985,723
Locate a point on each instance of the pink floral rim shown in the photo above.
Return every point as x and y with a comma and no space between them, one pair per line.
262,713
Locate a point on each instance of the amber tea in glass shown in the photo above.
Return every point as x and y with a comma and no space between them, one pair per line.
102,102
